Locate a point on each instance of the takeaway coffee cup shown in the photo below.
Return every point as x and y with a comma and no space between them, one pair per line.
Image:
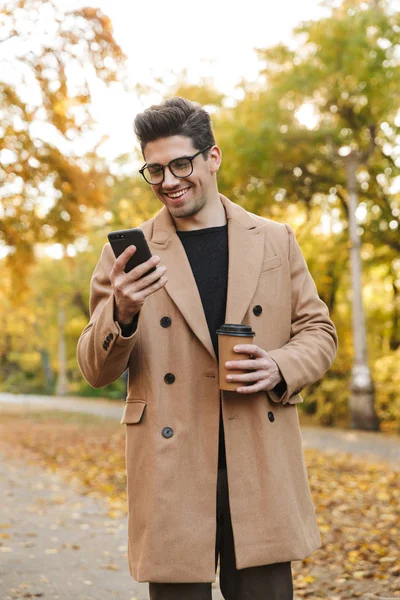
228,337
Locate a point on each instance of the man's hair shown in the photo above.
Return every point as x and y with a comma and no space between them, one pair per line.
175,116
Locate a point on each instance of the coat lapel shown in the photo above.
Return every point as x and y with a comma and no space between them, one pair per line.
246,251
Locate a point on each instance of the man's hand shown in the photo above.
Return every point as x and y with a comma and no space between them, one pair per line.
263,372
130,291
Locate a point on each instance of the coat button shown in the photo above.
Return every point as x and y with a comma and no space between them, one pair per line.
169,378
257,310
165,322
167,432
271,416
109,337
105,346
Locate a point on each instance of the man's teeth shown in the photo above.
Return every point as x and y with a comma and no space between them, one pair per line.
177,194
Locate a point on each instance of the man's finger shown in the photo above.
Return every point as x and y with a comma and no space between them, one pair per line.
251,389
252,365
142,294
249,349
247,377
144,282
122,259
143,268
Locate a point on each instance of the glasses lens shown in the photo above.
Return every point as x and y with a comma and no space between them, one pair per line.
153,174
181,167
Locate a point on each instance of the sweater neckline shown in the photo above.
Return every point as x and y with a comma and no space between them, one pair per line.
203,231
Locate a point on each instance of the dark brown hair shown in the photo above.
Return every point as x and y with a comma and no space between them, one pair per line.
175,116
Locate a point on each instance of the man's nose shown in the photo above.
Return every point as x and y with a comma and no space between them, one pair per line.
170,181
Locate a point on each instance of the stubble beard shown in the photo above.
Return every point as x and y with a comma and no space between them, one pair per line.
182,212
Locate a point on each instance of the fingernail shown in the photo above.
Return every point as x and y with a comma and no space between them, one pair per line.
236,348
228,364
157,259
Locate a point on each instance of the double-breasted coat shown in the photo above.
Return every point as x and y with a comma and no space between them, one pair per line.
171,411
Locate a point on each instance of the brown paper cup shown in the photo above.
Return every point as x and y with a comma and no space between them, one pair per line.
228,337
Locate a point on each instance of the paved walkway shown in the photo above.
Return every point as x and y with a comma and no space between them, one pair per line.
374,446
58,544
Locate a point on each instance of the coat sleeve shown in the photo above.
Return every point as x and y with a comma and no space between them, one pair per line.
103,353
313,340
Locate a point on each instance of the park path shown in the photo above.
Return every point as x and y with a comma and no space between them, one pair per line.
373,446
61,544
58,544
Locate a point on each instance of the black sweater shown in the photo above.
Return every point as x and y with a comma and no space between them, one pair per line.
207,252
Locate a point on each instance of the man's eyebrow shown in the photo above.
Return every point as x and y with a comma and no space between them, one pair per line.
160,165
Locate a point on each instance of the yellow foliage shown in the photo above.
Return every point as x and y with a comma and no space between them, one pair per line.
357,503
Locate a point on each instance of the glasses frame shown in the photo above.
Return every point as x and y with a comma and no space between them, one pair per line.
189,158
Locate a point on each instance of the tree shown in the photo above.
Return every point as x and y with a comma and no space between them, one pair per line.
345,75
49,60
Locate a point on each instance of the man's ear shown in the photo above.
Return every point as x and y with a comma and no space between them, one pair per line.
215,158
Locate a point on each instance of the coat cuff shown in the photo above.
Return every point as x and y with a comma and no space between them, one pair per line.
127,329
111,329
292,389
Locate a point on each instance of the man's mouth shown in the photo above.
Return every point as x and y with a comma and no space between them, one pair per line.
177,194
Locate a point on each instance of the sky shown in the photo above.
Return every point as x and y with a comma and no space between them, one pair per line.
210,38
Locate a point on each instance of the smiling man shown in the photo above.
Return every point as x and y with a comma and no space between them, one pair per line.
211,474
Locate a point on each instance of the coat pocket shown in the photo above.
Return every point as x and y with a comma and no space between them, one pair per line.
273,262
133,412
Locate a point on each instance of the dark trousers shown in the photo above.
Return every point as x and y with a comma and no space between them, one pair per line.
268,582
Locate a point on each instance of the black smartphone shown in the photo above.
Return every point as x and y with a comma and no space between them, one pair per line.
120,240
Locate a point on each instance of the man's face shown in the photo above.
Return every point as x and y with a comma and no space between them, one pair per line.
183,197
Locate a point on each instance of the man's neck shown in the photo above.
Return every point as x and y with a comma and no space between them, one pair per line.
211,215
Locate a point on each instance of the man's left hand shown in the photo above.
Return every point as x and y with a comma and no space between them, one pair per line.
263,372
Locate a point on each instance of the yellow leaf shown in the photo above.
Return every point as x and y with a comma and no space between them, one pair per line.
111,567
360,574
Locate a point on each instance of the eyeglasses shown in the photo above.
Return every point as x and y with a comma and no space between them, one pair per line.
179,167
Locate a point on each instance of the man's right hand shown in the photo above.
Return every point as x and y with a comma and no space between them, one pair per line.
130,291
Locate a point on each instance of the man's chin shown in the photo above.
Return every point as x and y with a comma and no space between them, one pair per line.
182,211
185,210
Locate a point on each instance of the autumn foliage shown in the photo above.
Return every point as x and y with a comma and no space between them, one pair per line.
285,140
357,503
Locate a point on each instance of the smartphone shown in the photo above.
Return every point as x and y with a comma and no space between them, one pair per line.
120,240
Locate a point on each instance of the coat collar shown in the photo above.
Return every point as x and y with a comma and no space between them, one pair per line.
246,252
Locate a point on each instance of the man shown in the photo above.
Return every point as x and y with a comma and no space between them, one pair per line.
189,501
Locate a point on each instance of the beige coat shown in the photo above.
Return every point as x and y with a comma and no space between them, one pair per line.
172,480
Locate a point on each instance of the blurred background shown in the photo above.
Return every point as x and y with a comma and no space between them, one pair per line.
304,99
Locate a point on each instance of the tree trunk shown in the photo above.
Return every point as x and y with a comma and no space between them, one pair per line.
362,405
47,370
395,333
62,382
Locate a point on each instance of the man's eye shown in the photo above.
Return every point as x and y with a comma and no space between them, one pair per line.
154,169
181,164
